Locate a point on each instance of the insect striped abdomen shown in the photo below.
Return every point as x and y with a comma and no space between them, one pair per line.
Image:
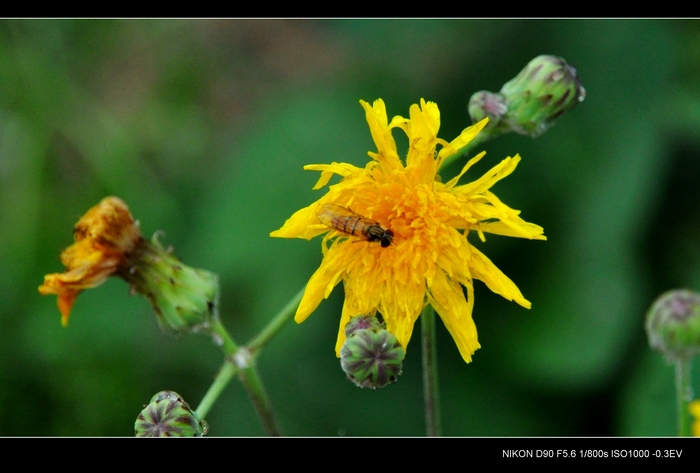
346,221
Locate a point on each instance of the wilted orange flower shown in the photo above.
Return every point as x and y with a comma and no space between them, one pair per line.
396,236
103,238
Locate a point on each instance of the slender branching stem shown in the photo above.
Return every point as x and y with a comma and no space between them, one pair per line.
684,395
256,390
220,382
431,390
276,324
242,361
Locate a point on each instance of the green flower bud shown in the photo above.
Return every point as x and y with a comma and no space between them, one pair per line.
183,298
168,415
545,89
361,322
673,324
371,357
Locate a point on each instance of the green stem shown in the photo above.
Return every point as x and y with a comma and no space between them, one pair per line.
683,395
256,390
227,371
221,334
243,361
277,323
431,390
222,379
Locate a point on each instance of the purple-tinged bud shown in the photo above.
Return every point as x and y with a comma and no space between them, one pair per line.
673,324
168,415
361,322
371,357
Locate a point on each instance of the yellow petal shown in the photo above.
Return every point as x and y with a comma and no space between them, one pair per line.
462,140
321,284
303,223
484,270
452,182
400,306
495,174
522,230
327,171
448,300
381,134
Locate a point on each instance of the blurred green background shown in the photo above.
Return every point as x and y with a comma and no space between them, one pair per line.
203,126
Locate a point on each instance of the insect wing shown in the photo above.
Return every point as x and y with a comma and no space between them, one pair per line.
344,220
334,216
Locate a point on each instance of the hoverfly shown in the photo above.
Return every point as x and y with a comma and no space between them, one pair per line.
345,220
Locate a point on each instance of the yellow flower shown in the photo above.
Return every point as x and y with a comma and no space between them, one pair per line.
694,408
429,258
104,237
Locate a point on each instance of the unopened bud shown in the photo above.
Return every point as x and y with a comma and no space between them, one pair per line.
545,89
168,415
673,324
371,357
531,102
361,322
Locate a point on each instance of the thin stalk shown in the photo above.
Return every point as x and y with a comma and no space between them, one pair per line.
683,396
221,334
239,359
222,379
275,325
256,391
431,390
